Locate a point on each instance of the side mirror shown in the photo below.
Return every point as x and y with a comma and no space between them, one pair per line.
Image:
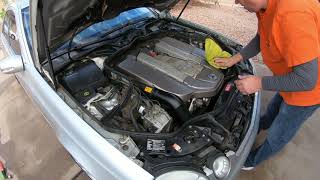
11,64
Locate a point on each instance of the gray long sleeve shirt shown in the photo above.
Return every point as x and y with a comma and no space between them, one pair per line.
302,78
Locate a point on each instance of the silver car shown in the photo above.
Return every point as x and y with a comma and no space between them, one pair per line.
126,88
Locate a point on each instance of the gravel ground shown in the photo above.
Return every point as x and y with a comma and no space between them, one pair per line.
234,22
228,19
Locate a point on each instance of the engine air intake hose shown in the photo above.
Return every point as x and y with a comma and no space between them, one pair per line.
180,111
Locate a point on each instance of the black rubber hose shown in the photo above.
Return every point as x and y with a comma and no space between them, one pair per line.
181,112
133,119
191,121
128,94
117,108
70,44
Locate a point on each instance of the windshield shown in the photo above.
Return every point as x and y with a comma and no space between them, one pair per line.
97,30
26,25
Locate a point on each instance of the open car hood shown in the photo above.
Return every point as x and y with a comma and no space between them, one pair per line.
61,18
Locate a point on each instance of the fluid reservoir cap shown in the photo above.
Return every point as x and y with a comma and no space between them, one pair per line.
141,110
148,89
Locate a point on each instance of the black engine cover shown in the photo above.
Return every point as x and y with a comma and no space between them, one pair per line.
82,79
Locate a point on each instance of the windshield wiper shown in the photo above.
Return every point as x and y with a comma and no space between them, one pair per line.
129,23
107,43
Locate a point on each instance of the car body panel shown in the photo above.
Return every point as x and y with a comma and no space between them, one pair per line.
91,150
94,154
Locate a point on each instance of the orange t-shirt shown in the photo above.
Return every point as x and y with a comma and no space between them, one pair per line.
290,36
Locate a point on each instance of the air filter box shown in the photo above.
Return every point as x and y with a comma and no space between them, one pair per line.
82,79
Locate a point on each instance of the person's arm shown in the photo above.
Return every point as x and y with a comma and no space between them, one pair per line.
302,78
252,48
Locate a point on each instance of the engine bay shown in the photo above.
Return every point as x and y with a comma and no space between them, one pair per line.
162,96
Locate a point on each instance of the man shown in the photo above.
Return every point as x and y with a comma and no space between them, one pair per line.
289,40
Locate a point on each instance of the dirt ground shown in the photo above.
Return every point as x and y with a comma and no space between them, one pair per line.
31,151
235,23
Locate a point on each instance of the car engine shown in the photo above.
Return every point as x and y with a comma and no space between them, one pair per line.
161,101
176,67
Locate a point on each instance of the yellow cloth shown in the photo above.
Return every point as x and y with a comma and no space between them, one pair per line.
213,51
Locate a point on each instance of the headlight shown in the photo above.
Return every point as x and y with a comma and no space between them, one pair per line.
221,166
182,175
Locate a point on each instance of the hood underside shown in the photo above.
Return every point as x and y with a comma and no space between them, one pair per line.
62,17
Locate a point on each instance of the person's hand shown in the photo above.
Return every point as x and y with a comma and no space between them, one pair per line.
228,62
248,84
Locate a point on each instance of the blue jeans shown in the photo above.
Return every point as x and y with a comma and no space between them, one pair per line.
282,121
